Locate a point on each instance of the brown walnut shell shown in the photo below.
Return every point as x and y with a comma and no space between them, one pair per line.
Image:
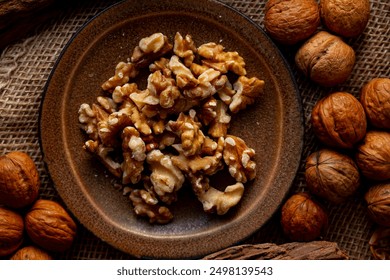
289,22
373,155
31,253
326,59
19,180
339,120
50,226
347,18
11,231
375,98
378,203
331,175
303,219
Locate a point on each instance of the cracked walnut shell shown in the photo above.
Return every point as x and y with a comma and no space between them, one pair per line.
347,18
373,155
326,59
331,175
302,218
375,98
378,203
289,22
338,120
11,231
50,226
19,180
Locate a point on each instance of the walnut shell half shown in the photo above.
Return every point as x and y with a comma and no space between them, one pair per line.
11,231
339,120
373,155
19,180
378,203
50,226
331,175
289,22
345,17
303,219
375,98
326,59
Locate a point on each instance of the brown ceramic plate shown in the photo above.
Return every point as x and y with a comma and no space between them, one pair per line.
273,126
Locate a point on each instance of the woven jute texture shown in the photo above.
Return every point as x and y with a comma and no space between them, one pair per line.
25,67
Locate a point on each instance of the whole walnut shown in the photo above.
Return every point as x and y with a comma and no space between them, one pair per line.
375,98
373,155
291,21
378,203
50,226
303,219
331,175
326,59
347,18
339,120
11,231
19,180
31,253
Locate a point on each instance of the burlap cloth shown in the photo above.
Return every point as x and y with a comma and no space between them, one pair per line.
26,65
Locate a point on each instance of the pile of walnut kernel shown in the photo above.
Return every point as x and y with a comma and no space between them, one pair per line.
175,130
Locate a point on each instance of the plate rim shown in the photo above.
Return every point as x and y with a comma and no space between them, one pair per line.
286,66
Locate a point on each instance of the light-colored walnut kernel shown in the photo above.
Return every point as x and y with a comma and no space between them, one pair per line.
347,18
134,154
165,177
149,49
190,133
214,200
154,138
326,59
147,206
239,158
220,60
247,90
291,21
123,73
185,48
